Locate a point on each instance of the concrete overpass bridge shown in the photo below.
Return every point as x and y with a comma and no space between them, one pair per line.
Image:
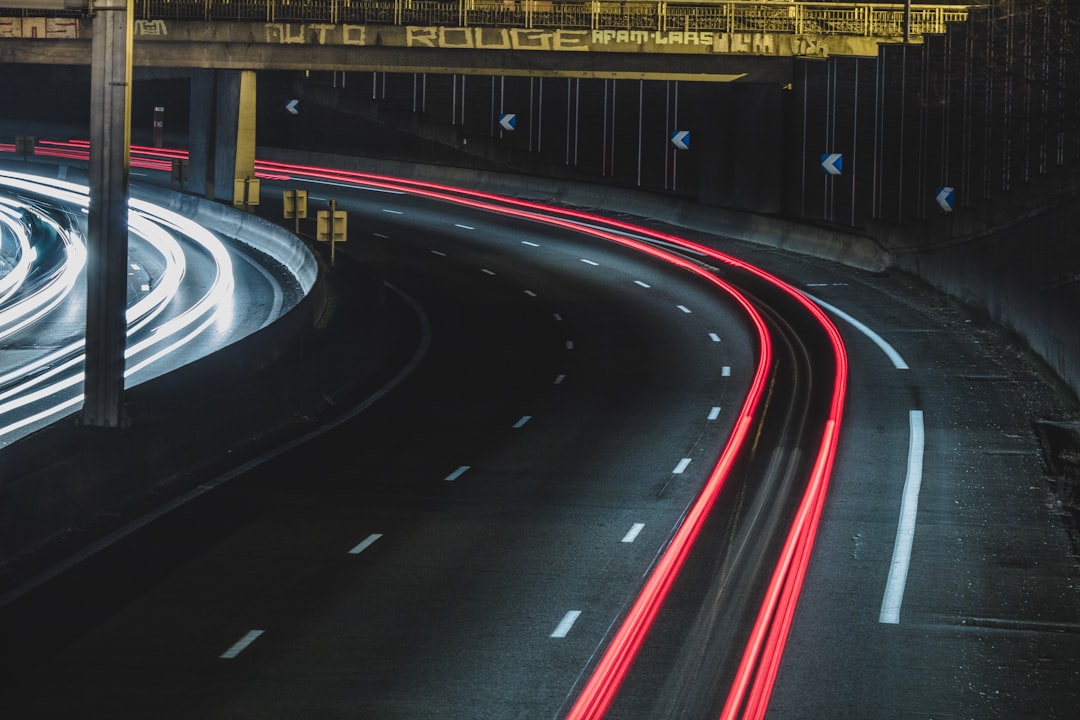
699,40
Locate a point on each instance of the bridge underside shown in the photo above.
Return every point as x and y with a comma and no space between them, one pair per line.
703,55
230,56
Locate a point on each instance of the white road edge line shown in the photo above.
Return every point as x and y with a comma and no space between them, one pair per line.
897,361
365,543
457,473
681,467
905,529
633,532
241,645
563,628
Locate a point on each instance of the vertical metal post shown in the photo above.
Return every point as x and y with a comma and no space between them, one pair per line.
107,222
640,123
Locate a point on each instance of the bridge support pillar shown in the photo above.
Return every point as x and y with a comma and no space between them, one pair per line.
222,131
107,221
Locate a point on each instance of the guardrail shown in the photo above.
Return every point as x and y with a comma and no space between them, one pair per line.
731,16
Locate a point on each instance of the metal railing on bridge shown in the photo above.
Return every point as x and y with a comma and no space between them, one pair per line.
732,16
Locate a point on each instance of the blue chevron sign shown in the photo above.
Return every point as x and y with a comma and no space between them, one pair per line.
681,139
832,163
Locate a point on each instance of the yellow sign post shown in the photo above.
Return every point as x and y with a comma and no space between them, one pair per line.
246,193
296,206
332,227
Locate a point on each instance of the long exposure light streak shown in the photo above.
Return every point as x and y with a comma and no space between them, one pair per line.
760,660
46,384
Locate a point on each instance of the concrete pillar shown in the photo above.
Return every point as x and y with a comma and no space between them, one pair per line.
202,125
107,222
221,140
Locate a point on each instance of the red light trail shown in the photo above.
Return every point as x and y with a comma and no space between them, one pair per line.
749,694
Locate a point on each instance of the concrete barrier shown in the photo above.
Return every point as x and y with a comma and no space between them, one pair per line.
852,249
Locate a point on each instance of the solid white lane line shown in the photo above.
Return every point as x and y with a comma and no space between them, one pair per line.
439,253
521,423
685,309
365,543
563,628
464,227
457,473
905,529
569,344
894,357
530,244
590,262
714,337
642,284
714,413
487,272
681,467
725,371
241,645
559,378
633,532
530,293
393,212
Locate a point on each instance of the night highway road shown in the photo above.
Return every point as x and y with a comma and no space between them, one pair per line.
468,544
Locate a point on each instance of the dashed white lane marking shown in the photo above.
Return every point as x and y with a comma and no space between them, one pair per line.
365,543
642,284
685,309
438,252
457,473
530,244
714,337
145,287
905,528
714,413
681,467
487,272
530,293
633,532
559,378
521,423
557,316
587,261
393,212
464,227
241,645
569,344
563,628
135,266
381,236
725,371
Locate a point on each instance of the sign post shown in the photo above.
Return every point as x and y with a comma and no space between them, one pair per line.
332,227
295,206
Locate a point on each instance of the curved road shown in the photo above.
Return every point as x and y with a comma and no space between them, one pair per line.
462,548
